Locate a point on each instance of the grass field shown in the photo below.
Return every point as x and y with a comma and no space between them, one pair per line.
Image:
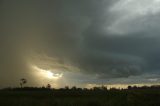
133,97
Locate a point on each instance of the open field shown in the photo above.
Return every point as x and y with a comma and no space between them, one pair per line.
46,97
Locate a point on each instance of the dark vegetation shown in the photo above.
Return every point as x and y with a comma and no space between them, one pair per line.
97,96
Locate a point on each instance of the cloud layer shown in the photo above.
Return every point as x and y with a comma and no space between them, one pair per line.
89,41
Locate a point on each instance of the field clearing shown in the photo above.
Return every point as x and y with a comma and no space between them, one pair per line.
146,97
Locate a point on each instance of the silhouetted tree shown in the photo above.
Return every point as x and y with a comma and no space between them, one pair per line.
43,87
48,86
129,87
74,88
103,87
22,82
66,87
96,88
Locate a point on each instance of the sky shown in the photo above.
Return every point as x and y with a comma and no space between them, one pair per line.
81,43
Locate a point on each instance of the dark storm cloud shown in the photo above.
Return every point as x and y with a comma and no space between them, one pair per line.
72,35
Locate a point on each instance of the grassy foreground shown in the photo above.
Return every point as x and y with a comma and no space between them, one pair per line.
79,97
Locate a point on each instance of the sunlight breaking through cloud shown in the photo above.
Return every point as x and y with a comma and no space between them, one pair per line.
48,74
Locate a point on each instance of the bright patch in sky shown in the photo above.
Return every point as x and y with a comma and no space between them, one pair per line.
153,79
133,15
48,74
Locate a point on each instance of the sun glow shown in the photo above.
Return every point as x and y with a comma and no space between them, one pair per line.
48,74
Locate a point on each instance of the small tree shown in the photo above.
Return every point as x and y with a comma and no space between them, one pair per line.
48,86
22,82
66,87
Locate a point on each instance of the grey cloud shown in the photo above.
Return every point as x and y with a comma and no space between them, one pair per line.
71,36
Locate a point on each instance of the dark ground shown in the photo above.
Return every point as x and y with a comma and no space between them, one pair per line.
146,96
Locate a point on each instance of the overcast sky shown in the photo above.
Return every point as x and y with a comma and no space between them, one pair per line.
79,42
